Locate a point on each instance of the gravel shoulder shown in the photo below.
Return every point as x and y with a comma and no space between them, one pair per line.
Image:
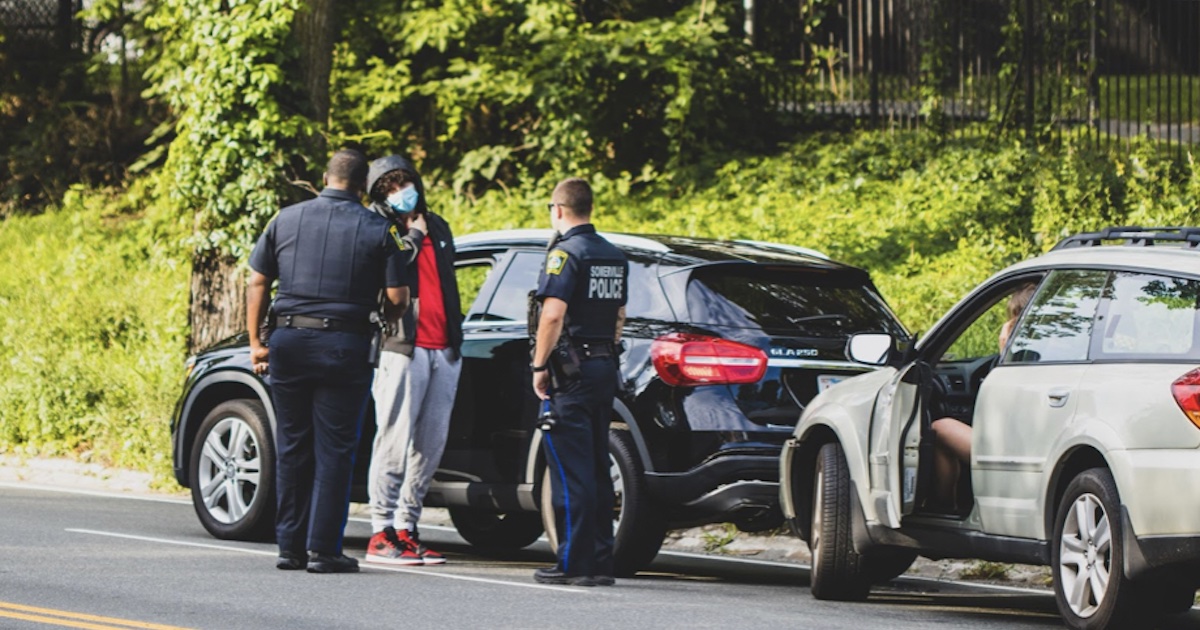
711,539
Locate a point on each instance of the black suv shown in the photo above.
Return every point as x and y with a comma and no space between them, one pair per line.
725,343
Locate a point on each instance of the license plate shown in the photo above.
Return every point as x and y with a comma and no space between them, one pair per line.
825,381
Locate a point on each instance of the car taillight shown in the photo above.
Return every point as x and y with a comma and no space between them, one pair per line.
1186,389
685,360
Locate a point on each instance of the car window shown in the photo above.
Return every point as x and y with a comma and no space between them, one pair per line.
471,275
1057,327
1149,317
786,302
510,301
980,338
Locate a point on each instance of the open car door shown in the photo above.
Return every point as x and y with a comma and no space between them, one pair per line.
899,467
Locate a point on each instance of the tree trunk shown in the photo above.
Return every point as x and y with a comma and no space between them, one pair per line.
314,29
218,299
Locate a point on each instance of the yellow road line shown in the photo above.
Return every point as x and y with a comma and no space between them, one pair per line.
74,620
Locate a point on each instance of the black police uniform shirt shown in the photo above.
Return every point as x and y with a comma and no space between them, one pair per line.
331,256
591,276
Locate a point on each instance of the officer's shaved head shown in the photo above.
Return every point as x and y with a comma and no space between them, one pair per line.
576,195
347,168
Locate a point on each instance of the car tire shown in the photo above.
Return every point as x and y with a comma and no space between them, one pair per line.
838,572
638,527
492,530
1087,556
232,472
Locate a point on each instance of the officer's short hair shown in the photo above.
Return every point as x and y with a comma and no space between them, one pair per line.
576,194
349,166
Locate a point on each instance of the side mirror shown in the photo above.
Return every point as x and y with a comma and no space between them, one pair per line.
869,348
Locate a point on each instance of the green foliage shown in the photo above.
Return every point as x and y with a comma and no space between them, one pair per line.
223,77
72,117
983,570
93,307
504,92
717,537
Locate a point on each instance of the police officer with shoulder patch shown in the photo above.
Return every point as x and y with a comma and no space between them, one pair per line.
332,257
582,294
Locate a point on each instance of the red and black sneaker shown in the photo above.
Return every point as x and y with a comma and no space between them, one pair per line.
412,538
387,548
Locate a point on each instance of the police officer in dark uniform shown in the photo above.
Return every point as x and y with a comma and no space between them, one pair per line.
332,258
582,290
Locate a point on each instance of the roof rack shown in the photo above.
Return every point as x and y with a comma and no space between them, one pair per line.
1134,235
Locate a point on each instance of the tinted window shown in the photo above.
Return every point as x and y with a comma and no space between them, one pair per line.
471,276
1057,326
511,299
1148,316
785,302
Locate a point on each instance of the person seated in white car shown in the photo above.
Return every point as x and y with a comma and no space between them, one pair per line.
952,436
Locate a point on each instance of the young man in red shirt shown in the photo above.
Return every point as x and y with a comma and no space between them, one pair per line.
417,378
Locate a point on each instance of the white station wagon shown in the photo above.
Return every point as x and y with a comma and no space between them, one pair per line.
1082,447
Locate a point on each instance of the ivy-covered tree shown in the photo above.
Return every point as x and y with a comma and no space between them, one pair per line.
243,133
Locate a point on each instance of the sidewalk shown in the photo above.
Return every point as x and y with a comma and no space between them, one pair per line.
710,539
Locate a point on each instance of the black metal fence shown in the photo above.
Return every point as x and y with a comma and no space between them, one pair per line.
1111,69
36,28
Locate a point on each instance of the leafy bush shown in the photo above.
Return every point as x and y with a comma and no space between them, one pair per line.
92,313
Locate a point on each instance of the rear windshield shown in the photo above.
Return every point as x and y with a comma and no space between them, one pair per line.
804,303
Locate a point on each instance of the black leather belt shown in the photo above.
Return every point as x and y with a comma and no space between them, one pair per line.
589,349
321,323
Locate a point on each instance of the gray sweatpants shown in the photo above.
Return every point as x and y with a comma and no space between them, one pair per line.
413,401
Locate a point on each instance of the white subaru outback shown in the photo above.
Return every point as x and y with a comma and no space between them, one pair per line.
1082,435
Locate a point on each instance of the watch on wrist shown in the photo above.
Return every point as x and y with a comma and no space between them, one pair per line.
540,368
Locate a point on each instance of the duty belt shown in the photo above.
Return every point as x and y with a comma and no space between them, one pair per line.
321,323
590,349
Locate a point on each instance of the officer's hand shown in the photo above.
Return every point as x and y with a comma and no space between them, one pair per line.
417,220
541,384
258,358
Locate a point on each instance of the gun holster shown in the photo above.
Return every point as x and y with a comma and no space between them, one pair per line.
564,360
267,326
376,348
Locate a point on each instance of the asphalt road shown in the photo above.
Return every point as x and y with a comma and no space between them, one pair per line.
79,559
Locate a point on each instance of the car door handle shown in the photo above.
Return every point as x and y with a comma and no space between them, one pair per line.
1058,397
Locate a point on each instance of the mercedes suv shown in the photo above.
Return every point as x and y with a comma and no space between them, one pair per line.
724,345
1084,442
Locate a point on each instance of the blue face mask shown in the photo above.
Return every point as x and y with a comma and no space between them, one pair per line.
404,200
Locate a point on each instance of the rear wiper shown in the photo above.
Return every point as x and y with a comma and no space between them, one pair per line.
813,318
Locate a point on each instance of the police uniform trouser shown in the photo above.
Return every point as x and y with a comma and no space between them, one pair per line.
320,381
577,456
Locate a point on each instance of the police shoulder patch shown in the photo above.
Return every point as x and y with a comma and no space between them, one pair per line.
395,232
555,262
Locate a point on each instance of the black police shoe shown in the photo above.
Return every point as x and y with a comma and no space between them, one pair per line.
291,561
325,563
553,576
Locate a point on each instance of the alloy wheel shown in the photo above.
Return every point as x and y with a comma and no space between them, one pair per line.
1085,555
229,470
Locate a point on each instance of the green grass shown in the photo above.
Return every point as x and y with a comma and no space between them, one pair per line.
93,315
